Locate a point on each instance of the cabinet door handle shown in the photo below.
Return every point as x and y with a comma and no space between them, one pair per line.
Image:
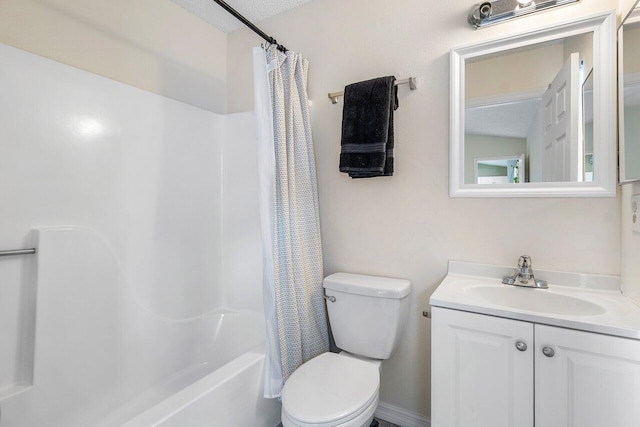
548,351
521,346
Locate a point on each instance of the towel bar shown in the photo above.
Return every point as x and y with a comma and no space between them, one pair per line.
411,81
15,252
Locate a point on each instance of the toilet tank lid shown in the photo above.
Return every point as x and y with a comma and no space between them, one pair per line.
359,284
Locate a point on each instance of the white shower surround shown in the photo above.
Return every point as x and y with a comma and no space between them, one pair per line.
122,192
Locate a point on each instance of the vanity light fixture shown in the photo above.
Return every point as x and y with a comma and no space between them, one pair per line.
493,12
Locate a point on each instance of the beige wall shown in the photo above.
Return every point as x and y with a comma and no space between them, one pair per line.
630,245
582,44
151,44
530,69
624,6
631,46
407,226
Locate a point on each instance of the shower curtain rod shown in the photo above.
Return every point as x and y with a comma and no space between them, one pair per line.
248,23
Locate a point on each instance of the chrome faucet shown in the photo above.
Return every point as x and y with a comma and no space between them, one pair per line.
524,274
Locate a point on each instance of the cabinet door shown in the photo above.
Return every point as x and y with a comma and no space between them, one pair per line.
479,377
588,380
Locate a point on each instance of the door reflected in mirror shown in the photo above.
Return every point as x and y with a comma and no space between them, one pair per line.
533,104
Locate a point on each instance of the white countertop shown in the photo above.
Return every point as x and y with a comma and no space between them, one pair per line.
598,307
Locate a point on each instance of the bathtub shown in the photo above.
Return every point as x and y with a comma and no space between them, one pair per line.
105,354
229,396
221,384
224,389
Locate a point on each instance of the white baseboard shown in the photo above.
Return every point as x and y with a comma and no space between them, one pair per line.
401,417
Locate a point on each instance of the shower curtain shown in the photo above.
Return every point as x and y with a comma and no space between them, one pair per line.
292,249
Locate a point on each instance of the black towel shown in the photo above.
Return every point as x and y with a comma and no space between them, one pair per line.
367,128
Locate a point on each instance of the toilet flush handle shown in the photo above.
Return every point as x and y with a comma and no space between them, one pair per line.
330,298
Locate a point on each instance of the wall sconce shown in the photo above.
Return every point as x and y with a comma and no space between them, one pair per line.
493,12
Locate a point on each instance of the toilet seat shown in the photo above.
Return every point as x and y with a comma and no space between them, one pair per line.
330,390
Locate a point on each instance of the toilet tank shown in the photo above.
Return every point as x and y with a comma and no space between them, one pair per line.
369,313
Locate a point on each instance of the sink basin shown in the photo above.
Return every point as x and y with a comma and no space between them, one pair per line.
586,302
540,300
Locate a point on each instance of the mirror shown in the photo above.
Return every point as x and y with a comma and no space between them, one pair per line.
587,126
533,114
510,113
629,97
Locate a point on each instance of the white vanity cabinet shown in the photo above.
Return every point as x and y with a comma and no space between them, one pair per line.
590,380
479,378
487,370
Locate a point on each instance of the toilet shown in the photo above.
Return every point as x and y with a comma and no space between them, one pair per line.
367,315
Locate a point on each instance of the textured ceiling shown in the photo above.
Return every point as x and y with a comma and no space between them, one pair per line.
254,10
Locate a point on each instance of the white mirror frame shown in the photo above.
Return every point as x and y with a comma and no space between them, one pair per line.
603,27
632,17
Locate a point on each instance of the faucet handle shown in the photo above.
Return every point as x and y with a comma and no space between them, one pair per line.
524,262
509,280
541,284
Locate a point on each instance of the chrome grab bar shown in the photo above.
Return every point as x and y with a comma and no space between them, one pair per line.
15,252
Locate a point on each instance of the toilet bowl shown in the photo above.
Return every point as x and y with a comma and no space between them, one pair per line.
331,390
367,315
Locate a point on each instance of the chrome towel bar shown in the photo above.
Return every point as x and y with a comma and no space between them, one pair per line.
15,252
411,81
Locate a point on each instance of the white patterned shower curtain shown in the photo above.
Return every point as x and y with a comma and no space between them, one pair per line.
292,249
